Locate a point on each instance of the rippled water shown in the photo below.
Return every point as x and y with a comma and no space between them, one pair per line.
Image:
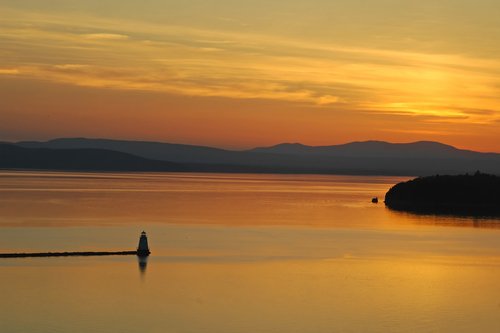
239,253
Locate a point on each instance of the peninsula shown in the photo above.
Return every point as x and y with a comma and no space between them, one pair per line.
469,195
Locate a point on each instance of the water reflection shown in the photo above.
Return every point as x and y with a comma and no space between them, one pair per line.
447,220
143,264
78,200
271,253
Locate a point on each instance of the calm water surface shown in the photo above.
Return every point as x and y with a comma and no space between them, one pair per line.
239,253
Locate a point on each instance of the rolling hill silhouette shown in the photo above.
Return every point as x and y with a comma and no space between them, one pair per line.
420,149
370,157
14,157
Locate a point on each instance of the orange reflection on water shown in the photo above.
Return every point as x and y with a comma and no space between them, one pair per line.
237,253
85,199
348,295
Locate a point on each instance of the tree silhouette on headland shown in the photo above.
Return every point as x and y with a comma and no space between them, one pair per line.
476,195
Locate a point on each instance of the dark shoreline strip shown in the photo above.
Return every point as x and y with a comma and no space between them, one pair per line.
66,254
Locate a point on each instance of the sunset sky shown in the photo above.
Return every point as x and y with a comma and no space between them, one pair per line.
239,74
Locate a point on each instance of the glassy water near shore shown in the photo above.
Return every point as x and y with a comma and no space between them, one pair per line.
239,253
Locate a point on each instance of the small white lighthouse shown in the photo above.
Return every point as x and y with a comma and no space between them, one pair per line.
143,248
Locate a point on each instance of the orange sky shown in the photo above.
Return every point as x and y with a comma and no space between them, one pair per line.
244,74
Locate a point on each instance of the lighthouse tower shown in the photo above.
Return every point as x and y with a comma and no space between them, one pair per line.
143,249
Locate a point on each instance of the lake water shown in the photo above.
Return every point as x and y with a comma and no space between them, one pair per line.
238,253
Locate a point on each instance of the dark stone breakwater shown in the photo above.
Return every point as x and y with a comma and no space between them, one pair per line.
142,251
66,254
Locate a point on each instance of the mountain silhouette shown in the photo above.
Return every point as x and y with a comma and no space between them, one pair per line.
420,149
369,157
14,157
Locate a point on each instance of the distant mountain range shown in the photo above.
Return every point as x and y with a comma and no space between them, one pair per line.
421,149
14,157
369,157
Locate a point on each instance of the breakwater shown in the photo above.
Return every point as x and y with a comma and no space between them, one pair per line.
66,254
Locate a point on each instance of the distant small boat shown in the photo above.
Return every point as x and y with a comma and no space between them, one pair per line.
375,200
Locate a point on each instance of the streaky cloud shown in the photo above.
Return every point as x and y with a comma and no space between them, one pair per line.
193,61
105,36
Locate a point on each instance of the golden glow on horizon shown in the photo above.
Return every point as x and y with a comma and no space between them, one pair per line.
410,85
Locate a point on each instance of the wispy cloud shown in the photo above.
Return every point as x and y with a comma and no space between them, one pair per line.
116,54
9,71
71,66
105,36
